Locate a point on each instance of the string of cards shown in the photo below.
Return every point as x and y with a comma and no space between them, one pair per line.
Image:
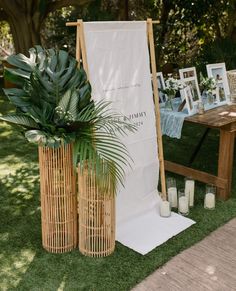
218,88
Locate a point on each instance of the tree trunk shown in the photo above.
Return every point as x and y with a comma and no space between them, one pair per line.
25,34
123,6
24,18
230,26
166,8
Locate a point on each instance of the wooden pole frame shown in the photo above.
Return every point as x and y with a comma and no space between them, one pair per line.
157,107
80,46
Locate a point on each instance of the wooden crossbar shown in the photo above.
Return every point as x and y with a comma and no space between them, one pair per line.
78,23
196,174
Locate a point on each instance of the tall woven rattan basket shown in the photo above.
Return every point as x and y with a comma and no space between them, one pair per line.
96,217
58,199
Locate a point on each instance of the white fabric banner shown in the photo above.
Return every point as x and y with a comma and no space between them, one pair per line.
119,71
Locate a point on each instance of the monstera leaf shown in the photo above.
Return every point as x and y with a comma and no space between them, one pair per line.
48,74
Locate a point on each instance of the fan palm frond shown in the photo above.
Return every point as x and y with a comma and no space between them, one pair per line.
97,142
20,119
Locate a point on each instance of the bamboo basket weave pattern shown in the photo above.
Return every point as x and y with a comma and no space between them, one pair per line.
96,217
58,199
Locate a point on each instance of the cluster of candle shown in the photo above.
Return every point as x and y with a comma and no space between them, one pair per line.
184,198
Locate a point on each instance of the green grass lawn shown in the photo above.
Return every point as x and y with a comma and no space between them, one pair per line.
24,265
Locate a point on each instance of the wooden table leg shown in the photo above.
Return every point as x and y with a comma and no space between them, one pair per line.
225,163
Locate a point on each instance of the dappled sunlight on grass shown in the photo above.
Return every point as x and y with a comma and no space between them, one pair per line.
5,106
15,151
14,267
10,164
6,130
19,190
19,200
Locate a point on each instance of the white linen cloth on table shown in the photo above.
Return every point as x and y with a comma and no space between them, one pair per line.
172,121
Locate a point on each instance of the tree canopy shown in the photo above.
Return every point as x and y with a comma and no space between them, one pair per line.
25,18
189,31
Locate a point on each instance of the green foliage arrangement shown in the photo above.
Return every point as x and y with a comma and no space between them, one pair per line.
54,107
172,87
207,84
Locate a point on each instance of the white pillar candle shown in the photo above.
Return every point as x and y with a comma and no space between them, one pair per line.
183,205
209,201
172,196
165,209
189,191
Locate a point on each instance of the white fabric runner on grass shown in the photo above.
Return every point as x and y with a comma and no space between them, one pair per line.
118,61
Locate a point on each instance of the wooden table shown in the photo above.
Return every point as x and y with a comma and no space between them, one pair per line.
224,119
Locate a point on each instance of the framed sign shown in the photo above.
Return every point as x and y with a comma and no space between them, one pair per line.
189,76
186,94
161,85
232,84
231,75
218,72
